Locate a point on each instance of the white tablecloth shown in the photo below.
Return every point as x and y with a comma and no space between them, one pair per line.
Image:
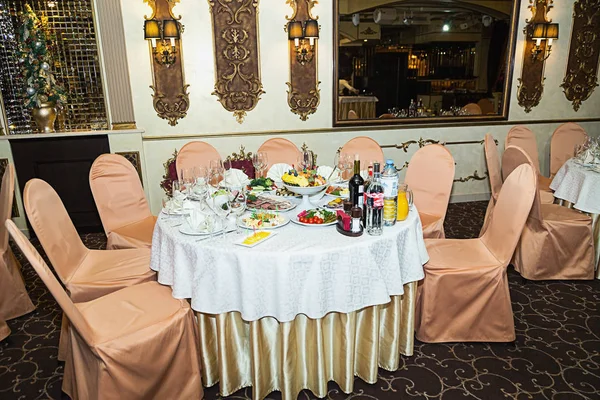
301,270
578,185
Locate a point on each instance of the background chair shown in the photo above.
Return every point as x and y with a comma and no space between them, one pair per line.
486,106
430,176
121,202
4,330
464,296
471,109
280,150
556,242
368,151
136,343
353,115
562,145
195,154
14,300
492,159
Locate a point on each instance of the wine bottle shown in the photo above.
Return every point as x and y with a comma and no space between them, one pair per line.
356,185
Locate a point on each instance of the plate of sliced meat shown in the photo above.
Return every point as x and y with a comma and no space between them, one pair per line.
268,202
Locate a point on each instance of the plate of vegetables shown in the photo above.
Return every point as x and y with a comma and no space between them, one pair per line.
316,217
262,185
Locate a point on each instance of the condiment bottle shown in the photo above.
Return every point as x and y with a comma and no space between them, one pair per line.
356,225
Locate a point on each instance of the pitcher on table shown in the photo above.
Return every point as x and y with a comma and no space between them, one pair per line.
405,200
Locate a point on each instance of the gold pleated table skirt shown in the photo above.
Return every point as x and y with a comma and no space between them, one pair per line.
306,353
364,109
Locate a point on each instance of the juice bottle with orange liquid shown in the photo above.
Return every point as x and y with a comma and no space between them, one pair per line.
405,199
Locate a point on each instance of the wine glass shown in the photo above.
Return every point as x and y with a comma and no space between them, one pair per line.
259,160
217,172
221,205
238,205
188,179
305,160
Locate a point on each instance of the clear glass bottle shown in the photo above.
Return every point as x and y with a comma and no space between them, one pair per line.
412,109
389,181
374,204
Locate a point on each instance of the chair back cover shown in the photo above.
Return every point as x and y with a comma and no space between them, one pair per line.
352,115
51,282
118,192
6,201
195,154
472,109
562,144
524,138
430,175
54,228
486,106
492,160
510,213
513,157
368,150
280,150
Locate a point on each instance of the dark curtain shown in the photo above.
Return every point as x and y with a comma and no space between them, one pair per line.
497,59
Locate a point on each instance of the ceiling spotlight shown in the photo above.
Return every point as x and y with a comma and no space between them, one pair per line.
445,27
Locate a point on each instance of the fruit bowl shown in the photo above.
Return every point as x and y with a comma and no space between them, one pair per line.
305,192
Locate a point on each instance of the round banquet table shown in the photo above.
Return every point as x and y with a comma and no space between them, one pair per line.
307,306
579,187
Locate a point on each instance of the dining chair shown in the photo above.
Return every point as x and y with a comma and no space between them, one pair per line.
492,159
464,296
135,343
368,151
4,330
556,242
524,138
279,150
121,202
563,142
195,154
14,300
430,175
386,116
486,106
471,109
353,115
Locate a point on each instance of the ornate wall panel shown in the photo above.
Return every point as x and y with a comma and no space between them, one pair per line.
170,98
582,67
134,158
237,62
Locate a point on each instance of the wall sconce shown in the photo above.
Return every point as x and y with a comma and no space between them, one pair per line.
547,32
162,36
304,37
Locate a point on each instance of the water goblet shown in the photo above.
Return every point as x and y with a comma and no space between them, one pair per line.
259,160
238,205
217,172
305,160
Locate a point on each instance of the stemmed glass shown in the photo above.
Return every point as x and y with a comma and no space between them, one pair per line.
221,205
238,205
259,160
344,163
305,160
217,172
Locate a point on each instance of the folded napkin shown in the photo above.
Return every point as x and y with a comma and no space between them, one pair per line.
277,171
177,201
235,178
589,158
197,221
325,171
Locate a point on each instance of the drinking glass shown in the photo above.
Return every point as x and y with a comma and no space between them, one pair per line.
188,179
221,205
305,160
238,205
217,172
259,160
227,165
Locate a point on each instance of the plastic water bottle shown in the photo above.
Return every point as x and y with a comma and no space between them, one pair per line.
389,181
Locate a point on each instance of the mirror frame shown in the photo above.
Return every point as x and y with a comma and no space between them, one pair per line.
429,121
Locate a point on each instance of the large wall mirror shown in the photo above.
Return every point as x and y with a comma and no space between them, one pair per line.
423,61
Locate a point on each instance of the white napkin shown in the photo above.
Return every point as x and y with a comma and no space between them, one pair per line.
325,171
364,174
277,171
197,221
177,202
235,178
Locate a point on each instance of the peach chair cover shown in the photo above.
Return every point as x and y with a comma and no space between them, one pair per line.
279,150
368,151
464,296
4,330
472,109
14,300
486,106
492,159
556,242
353,115
195,154
136,343
430,175
121,202
562,144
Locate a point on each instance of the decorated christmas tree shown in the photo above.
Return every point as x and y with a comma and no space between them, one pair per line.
36,47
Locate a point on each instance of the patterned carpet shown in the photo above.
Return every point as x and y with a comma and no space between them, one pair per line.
556,354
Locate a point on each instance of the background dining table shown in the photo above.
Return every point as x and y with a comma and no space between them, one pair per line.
578,186
307,306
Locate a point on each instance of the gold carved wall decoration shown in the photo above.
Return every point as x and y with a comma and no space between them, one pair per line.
237,63
531,82
134,158
404,146
163,31
474,177
303,94
582,66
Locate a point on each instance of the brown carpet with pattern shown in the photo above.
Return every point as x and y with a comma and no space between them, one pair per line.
556,354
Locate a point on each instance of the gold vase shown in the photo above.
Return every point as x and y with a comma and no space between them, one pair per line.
44,116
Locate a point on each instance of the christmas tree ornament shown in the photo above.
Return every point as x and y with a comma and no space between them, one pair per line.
30,91
21,60
45,66
38,44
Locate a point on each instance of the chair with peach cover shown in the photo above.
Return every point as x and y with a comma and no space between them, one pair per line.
556,242
492,159
195,154
562,145
4,330
486,106
471,109
121,202
14,300
368,151
464,296
279,150
353,115
136,343
524,138
430,175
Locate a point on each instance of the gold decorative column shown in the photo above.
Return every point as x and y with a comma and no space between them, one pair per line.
303,33
163,32
236,51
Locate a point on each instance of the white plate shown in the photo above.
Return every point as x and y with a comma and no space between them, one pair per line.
313,225
241,223
240,242
186,230
182,211
308,190
274,198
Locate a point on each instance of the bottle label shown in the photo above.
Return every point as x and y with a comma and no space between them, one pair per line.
390,186
361,190
374,199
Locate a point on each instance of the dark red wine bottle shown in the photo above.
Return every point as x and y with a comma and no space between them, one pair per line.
356,185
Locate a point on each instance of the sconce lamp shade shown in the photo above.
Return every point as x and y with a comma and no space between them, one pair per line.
151,29
295,30
545,31
552,31
170,29
311,29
